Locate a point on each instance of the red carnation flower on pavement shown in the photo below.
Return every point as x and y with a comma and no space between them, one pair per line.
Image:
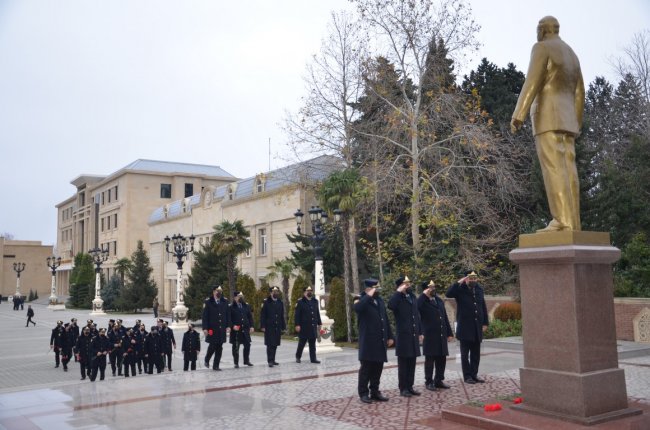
492,407
517,400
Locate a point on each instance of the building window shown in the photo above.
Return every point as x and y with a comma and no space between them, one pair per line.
230,192
115,192
115,248
262,242
189,190
115,221
82,199
109,195
102,199
259,185
102,224
247,253
165,191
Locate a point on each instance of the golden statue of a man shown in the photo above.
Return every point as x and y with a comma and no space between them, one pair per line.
555,94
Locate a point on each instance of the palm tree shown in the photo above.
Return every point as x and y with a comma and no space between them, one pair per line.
123,266
344,190
229,240
282,269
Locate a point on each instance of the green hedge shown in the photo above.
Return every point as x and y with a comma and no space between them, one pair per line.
498,328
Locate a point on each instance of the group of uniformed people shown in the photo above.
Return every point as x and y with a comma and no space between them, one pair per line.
419,322
124,348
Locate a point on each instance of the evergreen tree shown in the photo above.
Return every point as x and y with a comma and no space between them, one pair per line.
296,294
140,288
246,285
632,274
282,269
111,293
336,309
82,282
209,270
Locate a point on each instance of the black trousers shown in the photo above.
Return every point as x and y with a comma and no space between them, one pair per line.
84,367
57,355
470,357
217,350
189,357
66,355
247,352
154,360
29,320
369,376
312,348
437,361
270,353
405,372
129,362
99,363
116,361
141,360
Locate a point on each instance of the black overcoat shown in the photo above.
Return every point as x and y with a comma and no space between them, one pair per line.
407,322
191,345
272,321
471,311
374,328
242,317
307,316
435,325
82,347
216,317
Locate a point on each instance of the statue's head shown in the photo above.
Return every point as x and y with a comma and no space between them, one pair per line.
547,25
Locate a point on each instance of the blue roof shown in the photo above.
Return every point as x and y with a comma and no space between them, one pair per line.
174,167
307,173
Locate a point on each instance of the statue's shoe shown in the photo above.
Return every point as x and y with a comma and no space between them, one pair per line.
554,226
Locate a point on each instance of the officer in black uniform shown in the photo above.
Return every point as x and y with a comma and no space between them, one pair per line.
437,332
100,347
141,334
472,321
153,350
308,324
404,305
241,320
115,356
66,348
169,343
272,324
190,347
56,341
82,352
375,336
129,352
216,325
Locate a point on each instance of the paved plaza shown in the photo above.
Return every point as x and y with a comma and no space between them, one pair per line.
35,395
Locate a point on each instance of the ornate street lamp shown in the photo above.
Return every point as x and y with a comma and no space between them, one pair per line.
18,267
319,218
99,256
53,263
181,247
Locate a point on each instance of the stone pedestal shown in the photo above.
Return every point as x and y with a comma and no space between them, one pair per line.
324,344
570,359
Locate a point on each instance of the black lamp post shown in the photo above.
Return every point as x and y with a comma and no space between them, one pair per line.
99,256
18,267
53,263
319,218
181,247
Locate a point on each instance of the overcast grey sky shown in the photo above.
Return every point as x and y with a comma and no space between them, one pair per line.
89,86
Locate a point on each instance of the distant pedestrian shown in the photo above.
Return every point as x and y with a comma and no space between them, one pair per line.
22,302
155,307
191,347
30,315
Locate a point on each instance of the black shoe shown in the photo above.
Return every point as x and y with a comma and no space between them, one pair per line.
479,380
206,364
65,369
441,384
113,373
470,381
236,366
83,378
56,366
412,391
217,369
316,361
405,393
275,363
365,399
297,360
431,386
379,397
271,364
248,364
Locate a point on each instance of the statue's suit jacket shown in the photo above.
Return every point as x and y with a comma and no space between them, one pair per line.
554,90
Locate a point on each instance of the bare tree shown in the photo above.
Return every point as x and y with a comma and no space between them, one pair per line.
405,32
636,61
324,123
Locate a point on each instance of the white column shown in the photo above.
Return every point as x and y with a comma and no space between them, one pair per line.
98,303
18,286
324,344
53,297
179,312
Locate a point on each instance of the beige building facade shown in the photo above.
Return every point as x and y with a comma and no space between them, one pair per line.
112,211
36,276
264,203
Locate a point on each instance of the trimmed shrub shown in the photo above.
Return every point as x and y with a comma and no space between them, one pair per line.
498,328
508,312
296,294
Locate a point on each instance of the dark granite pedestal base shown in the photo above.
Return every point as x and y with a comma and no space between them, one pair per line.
570,359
